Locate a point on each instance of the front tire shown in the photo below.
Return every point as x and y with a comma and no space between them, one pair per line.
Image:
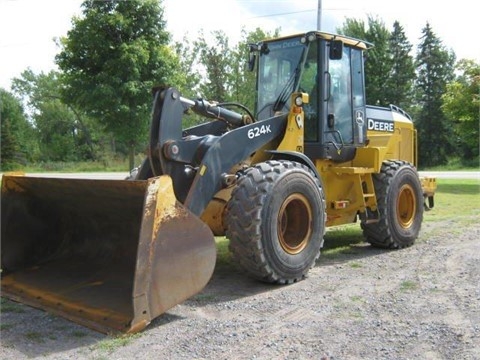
400,206
276,221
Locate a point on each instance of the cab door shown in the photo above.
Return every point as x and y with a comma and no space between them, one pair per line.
346,99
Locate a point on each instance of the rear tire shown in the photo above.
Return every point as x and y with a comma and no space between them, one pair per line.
400,206
276,221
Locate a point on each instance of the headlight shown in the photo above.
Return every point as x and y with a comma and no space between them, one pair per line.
298,101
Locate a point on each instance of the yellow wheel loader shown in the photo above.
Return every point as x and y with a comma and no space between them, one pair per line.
114,254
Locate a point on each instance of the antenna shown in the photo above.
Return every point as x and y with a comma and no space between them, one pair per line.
319,16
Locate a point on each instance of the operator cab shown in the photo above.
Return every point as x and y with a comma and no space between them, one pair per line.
330,69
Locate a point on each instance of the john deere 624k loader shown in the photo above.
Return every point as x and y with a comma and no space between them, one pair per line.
113,255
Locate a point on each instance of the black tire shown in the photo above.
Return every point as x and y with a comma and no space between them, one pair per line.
400,206
276,221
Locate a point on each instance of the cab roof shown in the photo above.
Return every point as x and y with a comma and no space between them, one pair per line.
362,44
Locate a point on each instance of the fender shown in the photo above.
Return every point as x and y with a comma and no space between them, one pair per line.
295,156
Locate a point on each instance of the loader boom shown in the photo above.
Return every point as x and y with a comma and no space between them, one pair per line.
198,165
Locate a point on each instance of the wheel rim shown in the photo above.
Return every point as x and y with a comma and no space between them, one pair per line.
406,206
294,223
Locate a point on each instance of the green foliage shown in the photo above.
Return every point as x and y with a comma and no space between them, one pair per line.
17,137
457,163
379,62
461,103
111,58
64,133
354,28
9,146
399,85
189,78
217,61
245,80
188,84
435,69
227,77
217,71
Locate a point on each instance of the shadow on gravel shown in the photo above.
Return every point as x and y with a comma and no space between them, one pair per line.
229,283
346,243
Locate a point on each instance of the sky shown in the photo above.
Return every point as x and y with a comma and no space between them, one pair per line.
28,28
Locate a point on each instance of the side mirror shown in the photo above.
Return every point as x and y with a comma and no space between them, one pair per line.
252,55
336,49
251,61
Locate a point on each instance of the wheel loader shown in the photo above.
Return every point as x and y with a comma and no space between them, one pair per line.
114,254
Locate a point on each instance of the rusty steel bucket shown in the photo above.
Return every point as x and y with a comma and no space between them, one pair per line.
108,254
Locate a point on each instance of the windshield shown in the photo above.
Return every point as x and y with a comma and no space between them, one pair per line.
278,74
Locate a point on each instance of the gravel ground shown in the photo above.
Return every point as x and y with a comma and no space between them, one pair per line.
422,302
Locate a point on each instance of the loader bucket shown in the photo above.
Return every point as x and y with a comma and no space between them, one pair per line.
108,254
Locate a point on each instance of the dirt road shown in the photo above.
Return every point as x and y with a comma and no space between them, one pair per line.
422,302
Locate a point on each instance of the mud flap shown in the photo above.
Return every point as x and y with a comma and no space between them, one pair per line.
429,186
108,254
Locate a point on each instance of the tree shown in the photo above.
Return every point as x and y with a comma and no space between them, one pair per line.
63,132
226,73
461,103
9,147
111,58
188,66
354,28
244,80
218,71
434,66
216,60
399,85
17,139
